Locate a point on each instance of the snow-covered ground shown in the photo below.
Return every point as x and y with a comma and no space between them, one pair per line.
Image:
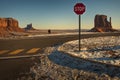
58,34
66,33
34,35
101,49
56,65
30,36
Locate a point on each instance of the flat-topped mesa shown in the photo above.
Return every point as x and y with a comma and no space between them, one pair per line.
9,24
101,24
12,22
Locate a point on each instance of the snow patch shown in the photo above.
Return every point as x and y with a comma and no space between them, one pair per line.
47,35
101,49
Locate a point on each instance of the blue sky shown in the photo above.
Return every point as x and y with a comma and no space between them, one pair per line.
58,14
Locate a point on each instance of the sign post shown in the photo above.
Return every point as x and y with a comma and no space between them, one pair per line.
79,9
79,31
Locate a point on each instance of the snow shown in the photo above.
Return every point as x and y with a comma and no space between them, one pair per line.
47,35
56,63
59,34
101,49
62,33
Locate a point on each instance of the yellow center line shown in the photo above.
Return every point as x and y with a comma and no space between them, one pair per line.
33,50
3,51
16,51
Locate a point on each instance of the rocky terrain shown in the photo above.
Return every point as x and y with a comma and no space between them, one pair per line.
101,24
8,25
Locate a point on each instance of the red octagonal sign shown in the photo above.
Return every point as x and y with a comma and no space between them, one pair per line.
79,8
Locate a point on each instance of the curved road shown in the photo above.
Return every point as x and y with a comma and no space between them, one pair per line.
46,41
9,68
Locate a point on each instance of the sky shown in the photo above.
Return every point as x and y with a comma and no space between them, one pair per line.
59,14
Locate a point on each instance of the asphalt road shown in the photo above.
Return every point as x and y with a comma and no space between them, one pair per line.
10,68
42,42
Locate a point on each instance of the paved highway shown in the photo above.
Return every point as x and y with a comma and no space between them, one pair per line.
9,68
32,46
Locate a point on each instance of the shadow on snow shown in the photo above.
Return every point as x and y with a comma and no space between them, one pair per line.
105,48
75,63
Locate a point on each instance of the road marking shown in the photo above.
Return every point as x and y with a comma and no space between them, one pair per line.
16,51
33,50
3,51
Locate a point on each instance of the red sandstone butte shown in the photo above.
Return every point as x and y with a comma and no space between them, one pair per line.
8,25
101,24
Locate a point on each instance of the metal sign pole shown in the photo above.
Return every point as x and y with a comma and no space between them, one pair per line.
79,9
79,31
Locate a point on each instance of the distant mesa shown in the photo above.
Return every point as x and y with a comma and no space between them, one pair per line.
102,25
29,27
8,25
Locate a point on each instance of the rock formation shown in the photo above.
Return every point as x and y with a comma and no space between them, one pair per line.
101,24
8,25
29,27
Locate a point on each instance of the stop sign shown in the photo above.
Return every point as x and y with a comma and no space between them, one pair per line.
79,8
